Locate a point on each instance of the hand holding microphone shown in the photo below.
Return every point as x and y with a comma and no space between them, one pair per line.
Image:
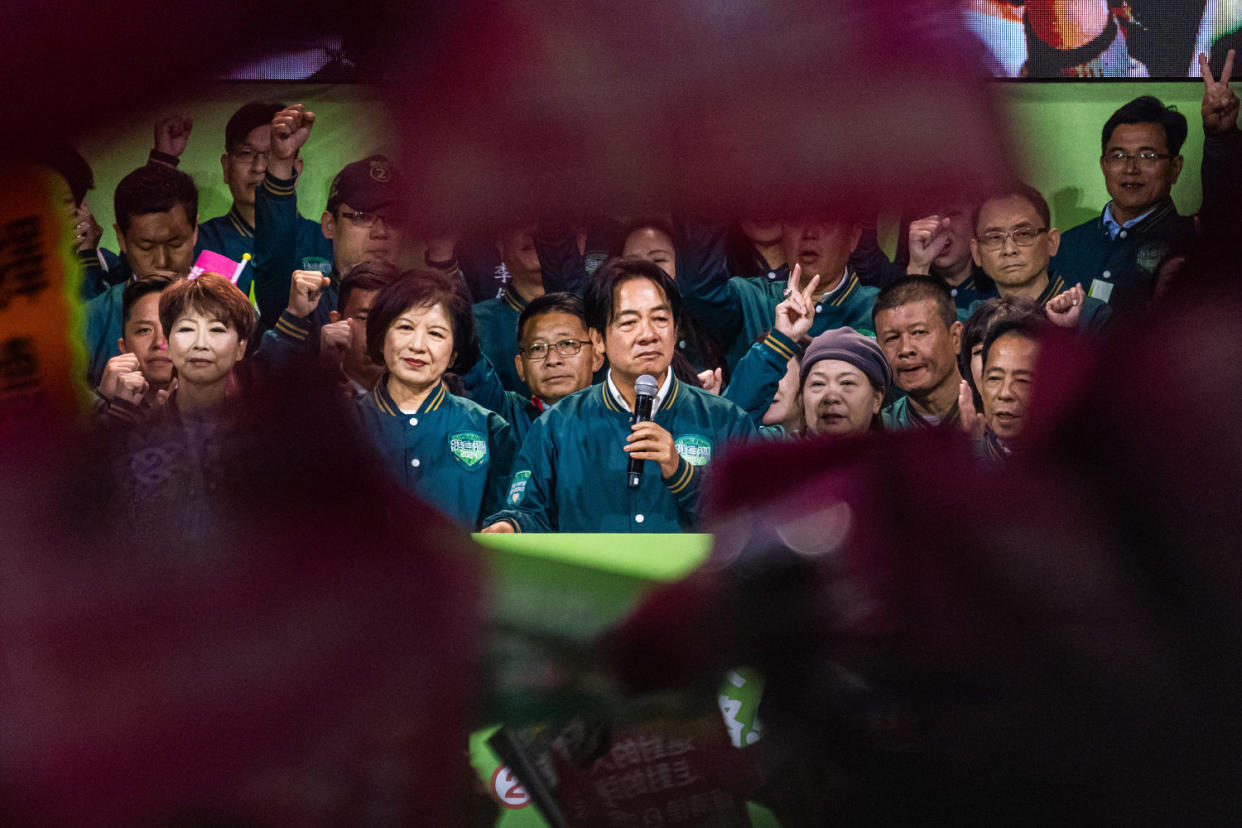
647,441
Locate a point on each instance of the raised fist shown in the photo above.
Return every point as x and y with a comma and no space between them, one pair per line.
305,288
117,367
172,134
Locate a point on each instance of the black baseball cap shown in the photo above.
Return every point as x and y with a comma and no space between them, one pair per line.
370,184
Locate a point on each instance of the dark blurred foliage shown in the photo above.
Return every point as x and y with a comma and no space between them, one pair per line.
1046,642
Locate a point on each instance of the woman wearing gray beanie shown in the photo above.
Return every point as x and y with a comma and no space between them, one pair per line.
844,382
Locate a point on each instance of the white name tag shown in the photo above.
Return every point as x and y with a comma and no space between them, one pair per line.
1100,290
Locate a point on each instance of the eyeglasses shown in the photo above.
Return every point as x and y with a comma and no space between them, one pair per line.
1146,158
366,218
566,347
1022,237
247,156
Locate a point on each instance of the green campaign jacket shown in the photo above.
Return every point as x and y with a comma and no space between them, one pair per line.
232,236
285,242
453,453
570,475
758,374
495,322
483,385
899,415
738,311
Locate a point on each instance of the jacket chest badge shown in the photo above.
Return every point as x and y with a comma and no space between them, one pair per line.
317,263
1149,256
695,449
469,449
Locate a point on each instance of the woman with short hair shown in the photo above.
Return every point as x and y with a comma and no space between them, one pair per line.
442,447
207,322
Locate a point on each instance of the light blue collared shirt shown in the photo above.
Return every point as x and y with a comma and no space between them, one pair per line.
1111,224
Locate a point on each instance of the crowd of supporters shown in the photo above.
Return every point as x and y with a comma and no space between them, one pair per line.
498,381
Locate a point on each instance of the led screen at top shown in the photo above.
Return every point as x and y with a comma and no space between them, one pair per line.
1102,38
1047,39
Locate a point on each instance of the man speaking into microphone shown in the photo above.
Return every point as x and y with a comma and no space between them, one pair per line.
590,463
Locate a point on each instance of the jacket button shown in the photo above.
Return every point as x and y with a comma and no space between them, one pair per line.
1106,274
415,462
413,421
639,518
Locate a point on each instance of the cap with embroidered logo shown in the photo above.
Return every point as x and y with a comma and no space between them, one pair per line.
370,184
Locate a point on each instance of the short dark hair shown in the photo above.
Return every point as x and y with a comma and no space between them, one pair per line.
418,288
209,294
601,291
559,302
975,330
366,275
154,188
1018,189
67,161
140,287
1028,325
1148,110
249,117
916,289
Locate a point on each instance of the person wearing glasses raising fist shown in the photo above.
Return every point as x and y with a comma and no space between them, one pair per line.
1014,243
247,150
361,222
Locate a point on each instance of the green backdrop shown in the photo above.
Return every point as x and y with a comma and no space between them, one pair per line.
1056,137
349,125
1054,131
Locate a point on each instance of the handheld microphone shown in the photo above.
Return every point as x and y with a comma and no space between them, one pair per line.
645,388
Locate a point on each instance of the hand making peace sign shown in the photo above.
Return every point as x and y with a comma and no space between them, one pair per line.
796,312
1220,104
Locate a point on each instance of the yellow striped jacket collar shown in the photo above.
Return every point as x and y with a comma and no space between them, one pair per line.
669,399
838,295
1055,286
512,298
386,403
239,223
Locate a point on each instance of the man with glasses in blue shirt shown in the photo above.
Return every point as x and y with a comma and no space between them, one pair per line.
1115,257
